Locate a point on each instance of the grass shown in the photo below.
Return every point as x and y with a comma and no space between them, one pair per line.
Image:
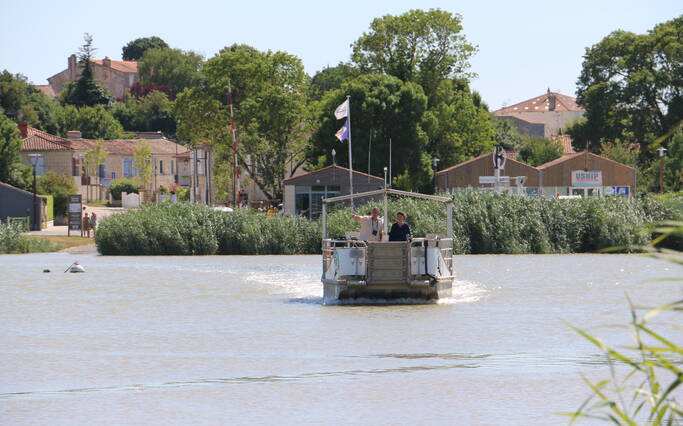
97,203
62,241
483,223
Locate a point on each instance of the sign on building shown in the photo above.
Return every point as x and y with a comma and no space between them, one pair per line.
617,190
75,211
590,178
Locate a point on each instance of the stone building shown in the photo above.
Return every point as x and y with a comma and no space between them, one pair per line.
117,76
543,116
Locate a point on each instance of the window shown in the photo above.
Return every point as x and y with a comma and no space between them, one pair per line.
161,167
128,167
40,165
101,171
302,204
113,175
172,167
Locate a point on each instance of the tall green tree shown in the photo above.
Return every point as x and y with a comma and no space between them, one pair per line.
134,50
85,91
10,149
142,161
631,86
425,47
24,103
93,122
383,107
172,68
536,151
506,134
150,113
331,78
269,95
673,166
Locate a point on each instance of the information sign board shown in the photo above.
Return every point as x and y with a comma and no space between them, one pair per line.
75,220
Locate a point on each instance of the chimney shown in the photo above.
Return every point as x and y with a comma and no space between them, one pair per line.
106,62
23,129
73,67
73,134
552,102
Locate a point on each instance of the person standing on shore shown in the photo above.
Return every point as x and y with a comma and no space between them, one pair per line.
93,223
86,225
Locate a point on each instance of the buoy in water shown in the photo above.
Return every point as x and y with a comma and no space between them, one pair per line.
76,267
46,271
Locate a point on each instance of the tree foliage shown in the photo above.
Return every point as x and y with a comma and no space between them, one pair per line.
536,151
85,91
93,122
150,113
421,46
632,87
269,95
331,78
24,103
506,134
383,107
620,151
59,186
142,160
135,49
10,149
172,68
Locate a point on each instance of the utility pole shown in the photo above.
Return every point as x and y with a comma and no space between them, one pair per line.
661,151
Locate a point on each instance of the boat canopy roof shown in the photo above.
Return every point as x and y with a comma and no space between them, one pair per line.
384,191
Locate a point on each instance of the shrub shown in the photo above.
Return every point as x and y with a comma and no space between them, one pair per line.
482,223
58,185
128,186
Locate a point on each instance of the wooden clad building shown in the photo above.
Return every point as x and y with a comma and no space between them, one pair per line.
466,174
583,173
303,194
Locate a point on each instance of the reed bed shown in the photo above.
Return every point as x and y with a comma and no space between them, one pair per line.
483,223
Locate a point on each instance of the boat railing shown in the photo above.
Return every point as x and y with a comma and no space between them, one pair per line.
445,246
331,244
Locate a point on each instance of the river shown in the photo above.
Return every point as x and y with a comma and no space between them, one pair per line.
248,340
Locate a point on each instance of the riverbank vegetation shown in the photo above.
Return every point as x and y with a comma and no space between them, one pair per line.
13,241
482,223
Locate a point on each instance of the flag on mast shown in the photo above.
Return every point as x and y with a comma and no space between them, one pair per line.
342,110
343,133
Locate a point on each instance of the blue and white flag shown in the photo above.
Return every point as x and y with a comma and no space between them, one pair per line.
342,110
343,133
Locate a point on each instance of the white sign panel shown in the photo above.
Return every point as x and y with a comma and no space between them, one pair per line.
492,179
591,178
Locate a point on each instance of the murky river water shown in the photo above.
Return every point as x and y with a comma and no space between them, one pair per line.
247,340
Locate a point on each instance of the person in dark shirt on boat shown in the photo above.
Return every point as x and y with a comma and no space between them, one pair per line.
400,231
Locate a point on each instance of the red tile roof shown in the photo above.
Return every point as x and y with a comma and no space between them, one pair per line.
566,142
37,140
328,167
542,103
123,66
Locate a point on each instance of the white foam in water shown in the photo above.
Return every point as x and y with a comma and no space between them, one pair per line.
466,292
297,284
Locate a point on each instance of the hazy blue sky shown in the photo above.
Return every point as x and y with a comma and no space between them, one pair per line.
524,46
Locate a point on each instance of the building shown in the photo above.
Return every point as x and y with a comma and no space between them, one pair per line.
584,173
303,194
17,203
542,116
171,161
117,76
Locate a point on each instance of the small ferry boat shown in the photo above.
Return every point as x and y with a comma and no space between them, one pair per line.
418,269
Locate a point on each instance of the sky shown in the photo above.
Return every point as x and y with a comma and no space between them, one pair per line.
525,46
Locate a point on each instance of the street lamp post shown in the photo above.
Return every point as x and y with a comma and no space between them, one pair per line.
435,163
661,151
35,225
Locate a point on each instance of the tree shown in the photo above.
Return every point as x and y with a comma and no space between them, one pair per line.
620,151
24,103
10,149
631,86
135,49
332,78
142,161
536,151
457,128
673,163
383,107
423,47
94,158
59,186
150,113
93,122
85,91
506,134
269,94
172,68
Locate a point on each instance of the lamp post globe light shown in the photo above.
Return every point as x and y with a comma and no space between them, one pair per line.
35,222
662,151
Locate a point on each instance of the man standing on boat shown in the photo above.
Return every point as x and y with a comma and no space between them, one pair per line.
370,226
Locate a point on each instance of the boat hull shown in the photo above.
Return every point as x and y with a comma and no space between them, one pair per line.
422,290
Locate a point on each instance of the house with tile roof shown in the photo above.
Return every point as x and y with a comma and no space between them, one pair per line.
65,156
543,116
117,76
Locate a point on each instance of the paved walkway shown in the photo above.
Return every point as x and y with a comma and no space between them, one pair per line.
101,213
